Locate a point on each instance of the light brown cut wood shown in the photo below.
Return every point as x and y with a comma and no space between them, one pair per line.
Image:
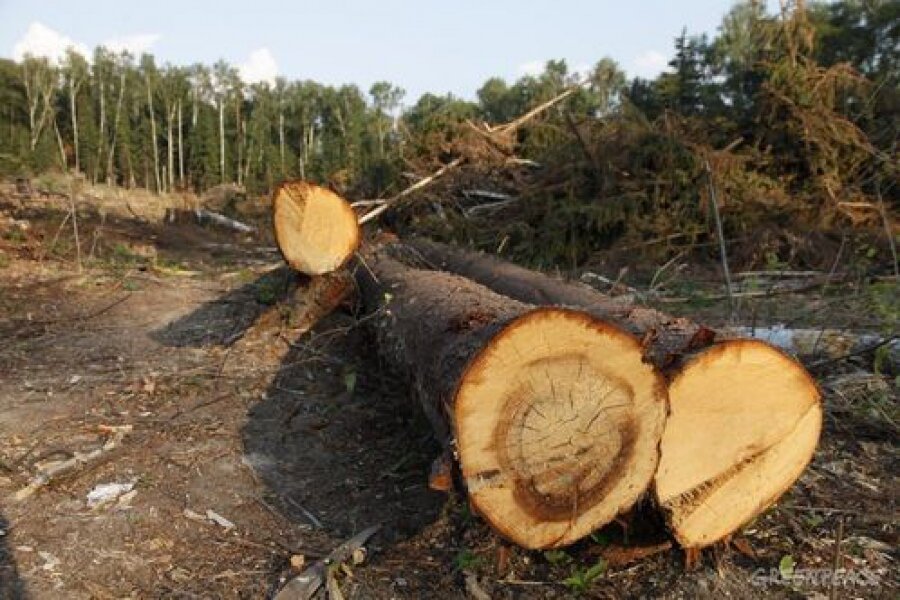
744,422
552,414
316,230
744,419
551,422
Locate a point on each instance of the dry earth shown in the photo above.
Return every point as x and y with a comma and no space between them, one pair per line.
171,363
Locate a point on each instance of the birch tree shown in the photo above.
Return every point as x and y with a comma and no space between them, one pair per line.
222,75
150,75
39,81
122,65
75,72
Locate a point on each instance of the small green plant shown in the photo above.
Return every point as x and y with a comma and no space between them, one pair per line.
4,261
882,359
786,566
600,538
774,262
171,264
465,513
15,235
582,579
266,293
350,381
246,275
466,559
557,557
884,300
814,520
122,254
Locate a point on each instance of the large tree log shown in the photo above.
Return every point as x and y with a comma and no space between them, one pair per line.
744,417
316,229
552,414
665,339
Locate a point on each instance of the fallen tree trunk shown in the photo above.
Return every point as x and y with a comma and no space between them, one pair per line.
204,216
665,339
744,417
553,416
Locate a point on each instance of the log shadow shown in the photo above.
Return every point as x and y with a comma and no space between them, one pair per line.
335,436
225,319
11,586
339,443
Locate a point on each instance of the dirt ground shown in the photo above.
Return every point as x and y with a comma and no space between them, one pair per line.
169,364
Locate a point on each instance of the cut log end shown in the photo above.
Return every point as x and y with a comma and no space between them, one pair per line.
558,424
745,421
316,229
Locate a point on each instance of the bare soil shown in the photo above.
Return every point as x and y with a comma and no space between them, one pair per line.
252,447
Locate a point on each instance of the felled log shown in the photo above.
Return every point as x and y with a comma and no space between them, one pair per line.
208,216
316,229
665,338
744,417
551,413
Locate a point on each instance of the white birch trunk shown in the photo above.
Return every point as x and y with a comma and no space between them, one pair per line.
153,136
222,139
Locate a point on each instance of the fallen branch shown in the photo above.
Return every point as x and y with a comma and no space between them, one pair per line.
775,290
830,343
56,469
892,342
513,125
486,194
305,585
414,187
222,221
776,274
489,207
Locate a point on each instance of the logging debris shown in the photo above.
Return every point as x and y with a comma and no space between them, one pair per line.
56,469
305,585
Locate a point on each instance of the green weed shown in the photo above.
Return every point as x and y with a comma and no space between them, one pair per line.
583,578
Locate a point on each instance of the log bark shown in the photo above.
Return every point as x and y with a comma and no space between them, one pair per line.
551,413
666,339
744,418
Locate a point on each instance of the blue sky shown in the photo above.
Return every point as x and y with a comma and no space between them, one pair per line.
447,46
